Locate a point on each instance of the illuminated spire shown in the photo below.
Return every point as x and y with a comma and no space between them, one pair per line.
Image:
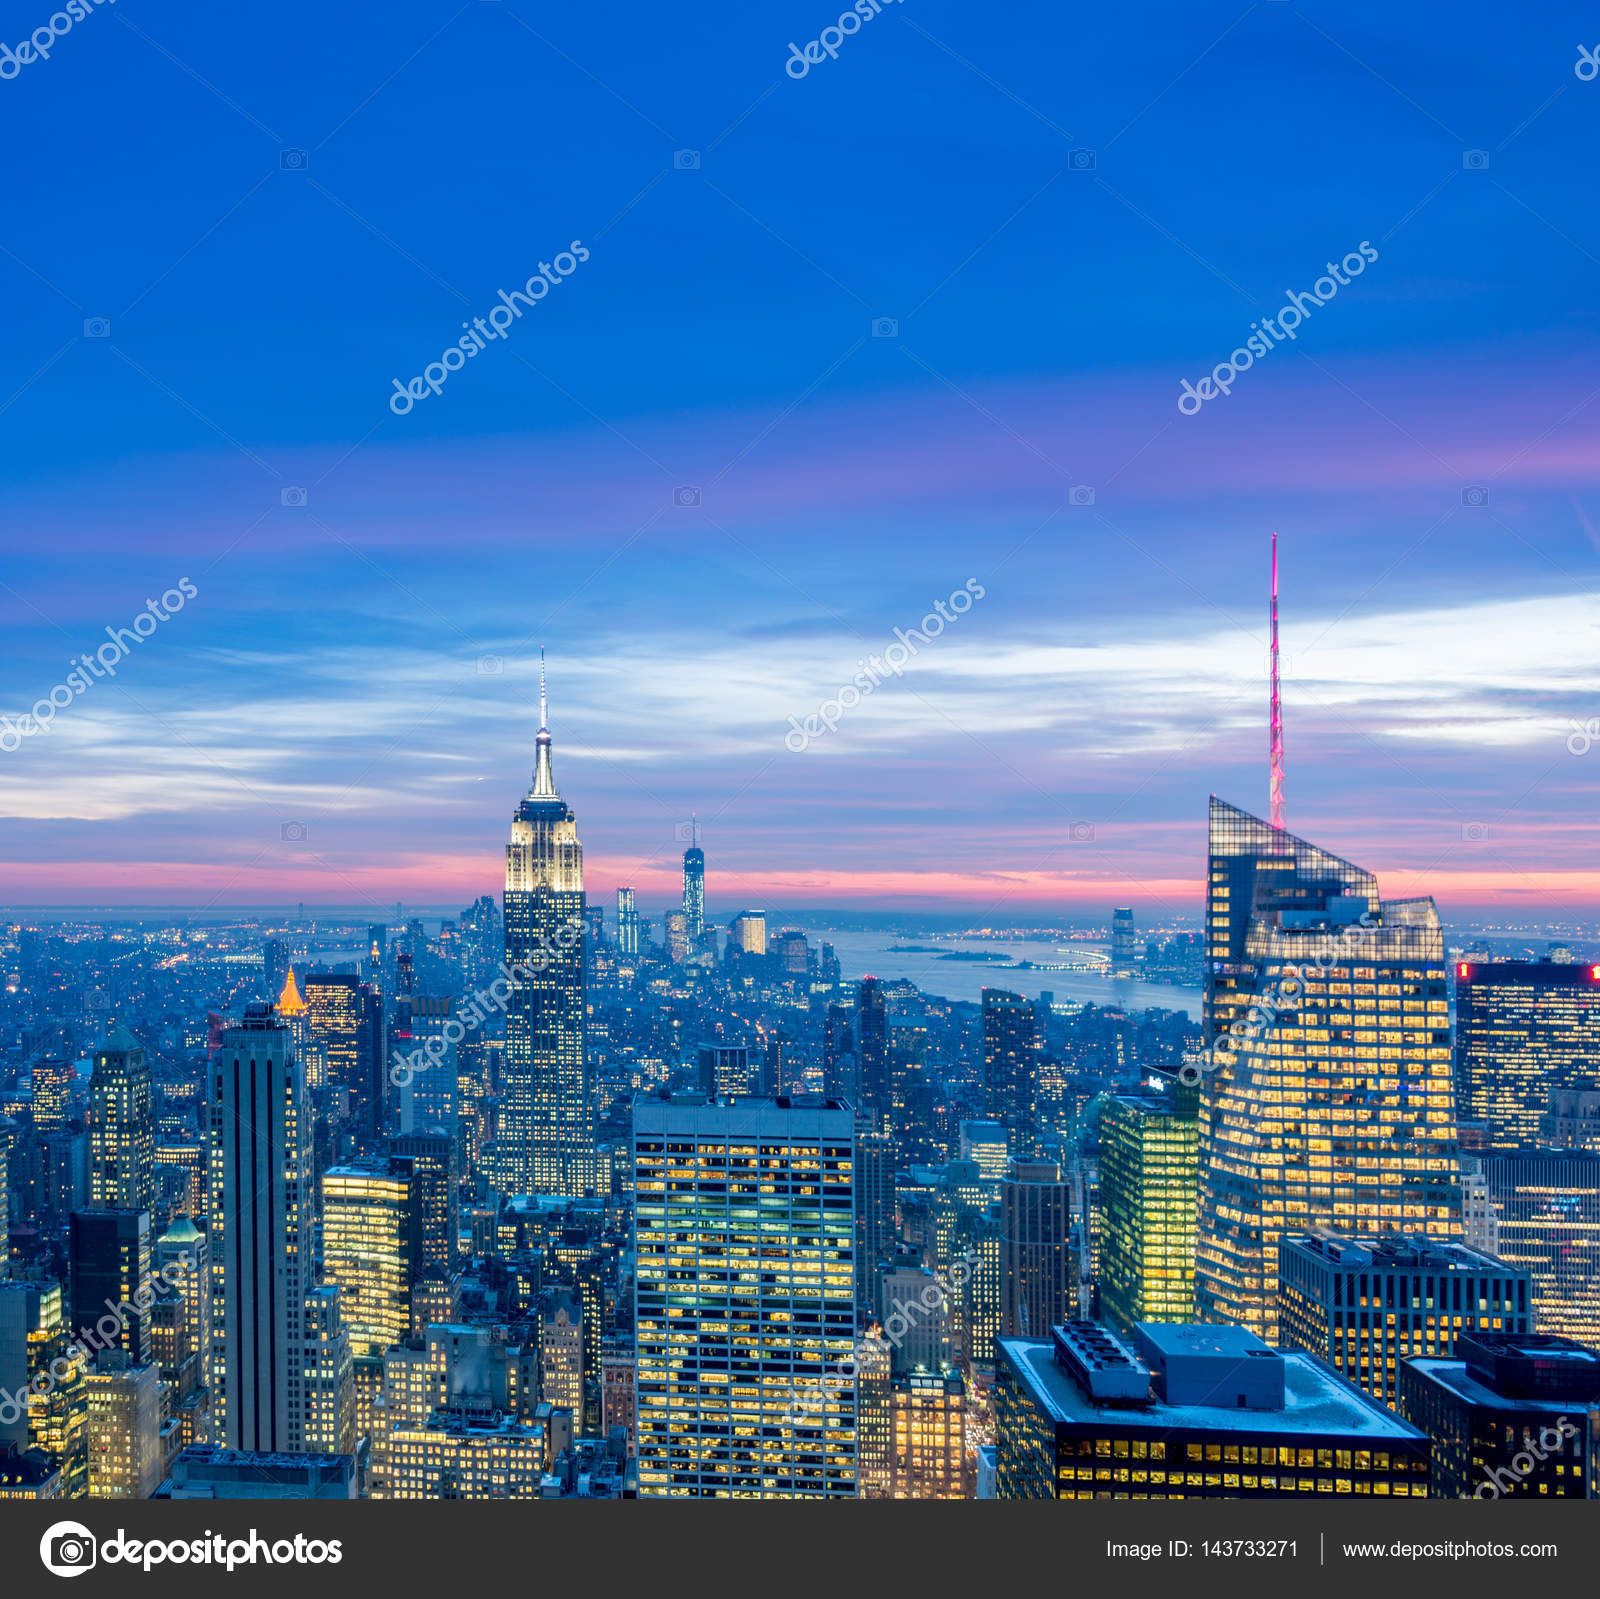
544,780
289,1001
1277,814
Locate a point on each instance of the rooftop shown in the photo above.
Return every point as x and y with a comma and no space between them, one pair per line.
1316,1402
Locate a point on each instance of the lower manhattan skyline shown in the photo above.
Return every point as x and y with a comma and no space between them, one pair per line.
800,756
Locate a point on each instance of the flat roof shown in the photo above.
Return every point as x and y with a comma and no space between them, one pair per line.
1453,1374
1196,1338
1315,1402
744,1118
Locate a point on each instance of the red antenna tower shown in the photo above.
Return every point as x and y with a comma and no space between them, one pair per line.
1277,812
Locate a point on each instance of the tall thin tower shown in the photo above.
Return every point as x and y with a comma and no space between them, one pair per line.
1276,812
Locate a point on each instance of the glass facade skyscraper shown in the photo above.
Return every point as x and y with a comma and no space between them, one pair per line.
1327,1097
1149,1171
1524,1029
122,1126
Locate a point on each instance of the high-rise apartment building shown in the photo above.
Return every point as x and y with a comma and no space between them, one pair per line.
261,1233
744,1304
1524,1030
1038,1271
1327,1098
546,1139
121,1126
1149,1177
1365,1305
928,1435
124,1427
1010,1061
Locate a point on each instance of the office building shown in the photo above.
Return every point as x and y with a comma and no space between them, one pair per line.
210,1472
28,1474
1148,1193
1324,998
54,1082
369,1249
1510,1418
724,1069
1038,1271
928,1436
433,1160
561,1363
343,1030
747,932
110,1280
1524,1029
429,1100
744,1303
546,1137
1547,1218
332,1415
694,894
1010,1061
1187,1411
124,1427
627,923
1365,1305
873,1104
122,1137
987,1145
1123,956
457,1456
261,1232
875,1214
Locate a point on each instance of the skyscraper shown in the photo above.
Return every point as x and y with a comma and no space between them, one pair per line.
744,1308
627,922
261,1219
1122,955
694,893
1010,1057
53,1083
1524,1030
872,1056
748,932
109,1280
369,1240
344,1025
1327,1098
122,1127
1038,1271
1149,1170
1547,1203
546,1137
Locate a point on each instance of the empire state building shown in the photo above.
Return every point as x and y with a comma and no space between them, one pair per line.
546,1134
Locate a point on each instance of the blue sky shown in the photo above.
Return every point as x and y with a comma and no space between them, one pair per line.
362,665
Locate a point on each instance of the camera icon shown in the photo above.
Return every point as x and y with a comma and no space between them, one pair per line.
96,327
1475,494
292,496
686,496
292,832
1475,160
68,1548
96,999
885,327
293,160
490,666
684,832
1081,160
686,160
1080,494
1081,832
1474,832
1583,735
